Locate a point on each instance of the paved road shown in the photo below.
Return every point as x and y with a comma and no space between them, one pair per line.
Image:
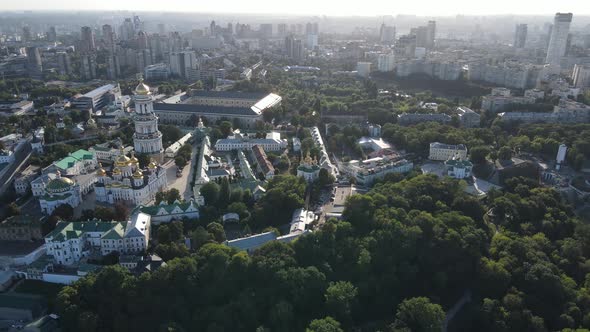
182,183
466,298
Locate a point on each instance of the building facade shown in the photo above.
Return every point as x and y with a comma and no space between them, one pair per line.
443,152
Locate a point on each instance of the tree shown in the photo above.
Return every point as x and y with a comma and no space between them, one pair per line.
180,162
224,193
226,128
327,324
325,178
340,297
478,154
121,212
171,251
505,153
199,237
63,212
210,192
12,209
418,314
217,231
173,195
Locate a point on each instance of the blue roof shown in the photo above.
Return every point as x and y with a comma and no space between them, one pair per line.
252,242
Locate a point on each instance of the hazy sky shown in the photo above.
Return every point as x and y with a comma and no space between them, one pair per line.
319,7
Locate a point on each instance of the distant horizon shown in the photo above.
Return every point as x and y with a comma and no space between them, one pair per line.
369,8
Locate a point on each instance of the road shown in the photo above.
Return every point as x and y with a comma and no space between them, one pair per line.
336,207
183,183
466,298
21,156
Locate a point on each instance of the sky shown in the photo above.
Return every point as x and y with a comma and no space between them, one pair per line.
318,7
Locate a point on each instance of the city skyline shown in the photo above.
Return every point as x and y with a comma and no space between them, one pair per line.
308,7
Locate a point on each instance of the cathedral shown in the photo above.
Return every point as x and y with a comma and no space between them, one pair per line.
126,181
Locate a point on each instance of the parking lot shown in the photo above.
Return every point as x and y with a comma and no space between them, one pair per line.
334,206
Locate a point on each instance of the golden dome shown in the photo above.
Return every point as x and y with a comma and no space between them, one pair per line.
117,171
133,159
101,171
142,88
137,174
152,164
122,160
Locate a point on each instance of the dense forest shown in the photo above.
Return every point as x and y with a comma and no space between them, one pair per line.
403,255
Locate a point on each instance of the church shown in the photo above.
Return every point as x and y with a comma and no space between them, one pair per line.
126,181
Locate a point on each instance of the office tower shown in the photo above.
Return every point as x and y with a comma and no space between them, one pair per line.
137,23
113,67
183,64
87,39
51,34
27,36
34,64
311,33
127,30
581,76
161,29
293,48
212,28
422,34
520,35
108,36
558,41
386,34
88,66
282,29
430,34
386,62
230,29
64,66
266,30
142,40
406,46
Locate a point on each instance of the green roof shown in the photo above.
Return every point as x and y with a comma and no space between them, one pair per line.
88,267
70,160
82,154
115,233
52,198
66,162
153,210
59,184
69,230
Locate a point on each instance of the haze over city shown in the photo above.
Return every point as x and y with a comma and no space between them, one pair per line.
310,7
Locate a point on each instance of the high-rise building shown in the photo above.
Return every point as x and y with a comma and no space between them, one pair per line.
212,28
127,30
147,138
386,34
282,29
386,62
421,34
108,36
266,30
161,29
558,41
88,66
581,76
27,36
520,35
183,64
64,67
87,39
293,48
51,34
430,34
34,64
142,40
113,67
